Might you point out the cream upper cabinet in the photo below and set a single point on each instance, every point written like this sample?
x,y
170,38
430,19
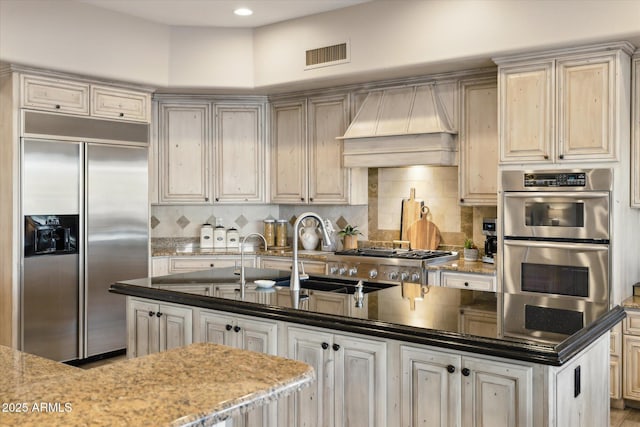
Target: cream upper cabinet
x,y
184,146
635,129
306,157
563,106
478,180
239,153
59,95
121,104
289,151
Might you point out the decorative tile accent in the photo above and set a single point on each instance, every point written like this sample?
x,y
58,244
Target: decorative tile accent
x,y
241,221
183,221
292,220
154,222
342,222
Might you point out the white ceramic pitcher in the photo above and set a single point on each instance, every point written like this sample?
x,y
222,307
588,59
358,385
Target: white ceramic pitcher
x,y
309,236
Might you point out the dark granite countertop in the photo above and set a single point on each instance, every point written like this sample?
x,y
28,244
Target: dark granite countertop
x,y
433,321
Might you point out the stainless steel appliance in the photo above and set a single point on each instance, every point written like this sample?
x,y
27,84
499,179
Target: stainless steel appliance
x,y
382,265
85,208
491,241
555,251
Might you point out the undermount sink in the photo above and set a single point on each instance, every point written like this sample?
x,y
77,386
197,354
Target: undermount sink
x,y
338,286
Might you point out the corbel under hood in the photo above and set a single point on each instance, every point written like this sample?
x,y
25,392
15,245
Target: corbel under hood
x,y
401,126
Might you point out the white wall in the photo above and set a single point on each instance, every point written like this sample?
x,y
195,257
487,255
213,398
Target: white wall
x,y
211,57
74,37
434,35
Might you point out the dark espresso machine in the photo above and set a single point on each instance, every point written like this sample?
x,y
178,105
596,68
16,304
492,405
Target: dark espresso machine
x,y
491,242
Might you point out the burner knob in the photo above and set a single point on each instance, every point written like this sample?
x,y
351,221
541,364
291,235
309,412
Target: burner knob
x,y
393,275
353,271
333,269
342,270
404,276
415,277
373,273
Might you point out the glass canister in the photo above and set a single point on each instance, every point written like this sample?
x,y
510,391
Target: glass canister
x,y
270,231
281,232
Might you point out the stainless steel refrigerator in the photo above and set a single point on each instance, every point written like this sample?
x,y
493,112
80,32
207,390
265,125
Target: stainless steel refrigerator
x,y
85,211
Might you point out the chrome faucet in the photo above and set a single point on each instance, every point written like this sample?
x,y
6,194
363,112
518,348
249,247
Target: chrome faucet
x,y
243,281
294,283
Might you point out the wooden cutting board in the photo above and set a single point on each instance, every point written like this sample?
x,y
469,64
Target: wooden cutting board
x,y
411,211
424,234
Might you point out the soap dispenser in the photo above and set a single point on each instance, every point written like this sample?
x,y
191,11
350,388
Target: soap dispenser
x,y
219,235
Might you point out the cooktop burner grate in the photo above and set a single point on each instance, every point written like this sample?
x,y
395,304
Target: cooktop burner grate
x,y
395,253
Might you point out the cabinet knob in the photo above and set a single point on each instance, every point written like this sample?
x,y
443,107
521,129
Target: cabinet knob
x,y
311,199
451,369
211,265
159,314
546,157
206,199
302,199
217,199
466,283
152,313
461,200
561,156
237,328
336,347
57,106
228,327
325,345
121,114
465,372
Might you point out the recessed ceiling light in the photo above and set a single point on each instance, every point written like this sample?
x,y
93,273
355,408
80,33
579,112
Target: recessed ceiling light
x,y
243,11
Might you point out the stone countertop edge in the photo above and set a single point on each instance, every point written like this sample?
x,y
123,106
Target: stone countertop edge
x,y
556,355
186,386
462,266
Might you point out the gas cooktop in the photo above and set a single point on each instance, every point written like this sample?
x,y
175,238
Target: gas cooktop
x,y
396,253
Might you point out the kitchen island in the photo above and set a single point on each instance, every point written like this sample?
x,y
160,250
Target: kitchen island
x,y
191,385
380,362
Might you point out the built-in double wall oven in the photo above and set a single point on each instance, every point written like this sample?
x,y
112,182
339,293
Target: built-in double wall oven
x,y
555,246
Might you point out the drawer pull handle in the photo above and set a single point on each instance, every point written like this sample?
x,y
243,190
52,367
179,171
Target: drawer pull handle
x,y
57,106
121,114
466,283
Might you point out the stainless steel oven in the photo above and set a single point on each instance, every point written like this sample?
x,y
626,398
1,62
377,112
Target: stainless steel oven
x,y
555,249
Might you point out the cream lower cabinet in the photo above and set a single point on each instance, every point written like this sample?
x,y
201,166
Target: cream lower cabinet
x,y
351,379
635,132
154,327
470,281
185,264
445,389
631,355
246,333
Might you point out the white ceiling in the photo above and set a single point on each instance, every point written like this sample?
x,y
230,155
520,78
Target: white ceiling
x,y
219,13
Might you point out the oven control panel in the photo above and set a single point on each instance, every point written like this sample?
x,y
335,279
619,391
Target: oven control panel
x,y
375,272
560,179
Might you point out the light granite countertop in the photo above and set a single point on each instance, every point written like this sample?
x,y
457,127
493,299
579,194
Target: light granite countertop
x,y
477,267
632,302
201,384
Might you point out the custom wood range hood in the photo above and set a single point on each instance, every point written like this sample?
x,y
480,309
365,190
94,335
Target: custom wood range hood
x,y
401,126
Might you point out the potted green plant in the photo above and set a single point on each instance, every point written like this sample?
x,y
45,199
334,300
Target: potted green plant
x,y
349,236
470,250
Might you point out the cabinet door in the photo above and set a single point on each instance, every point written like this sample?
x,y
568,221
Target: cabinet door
x,y
480,323
54,94
328,119
526,108
329,303
184,145
121,104
586,105
289,152
631,367
159,266
176,326
239,142
479,143
143,331
360,382
313,406
216,328
496,394
430,390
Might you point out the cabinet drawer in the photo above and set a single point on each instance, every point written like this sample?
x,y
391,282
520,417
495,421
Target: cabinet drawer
x,y
310,267
631,324
476,282
119,104
55,95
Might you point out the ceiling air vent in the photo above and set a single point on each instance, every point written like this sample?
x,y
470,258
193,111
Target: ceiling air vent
x,y
327,55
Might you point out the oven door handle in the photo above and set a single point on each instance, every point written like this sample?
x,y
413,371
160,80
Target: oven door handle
x,y
583,247
558,194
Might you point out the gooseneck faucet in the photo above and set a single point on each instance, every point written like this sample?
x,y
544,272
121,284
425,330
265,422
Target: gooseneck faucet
x,y
243,281
294,283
